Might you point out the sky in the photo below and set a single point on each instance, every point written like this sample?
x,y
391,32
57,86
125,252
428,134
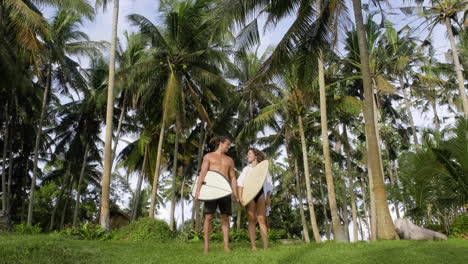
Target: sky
x,y
100,29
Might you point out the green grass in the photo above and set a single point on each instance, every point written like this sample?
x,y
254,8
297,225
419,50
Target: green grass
x,y
52,249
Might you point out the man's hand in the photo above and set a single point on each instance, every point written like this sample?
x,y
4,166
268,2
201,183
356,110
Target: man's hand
x,y
197,194
268,203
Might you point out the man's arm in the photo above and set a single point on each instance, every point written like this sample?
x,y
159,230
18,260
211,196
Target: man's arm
x,y
233,181
204,169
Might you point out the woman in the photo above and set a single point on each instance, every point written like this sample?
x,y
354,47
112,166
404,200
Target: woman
x,y
257,208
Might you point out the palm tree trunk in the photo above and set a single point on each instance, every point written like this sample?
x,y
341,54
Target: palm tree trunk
x,y
367,211
436,115
37,142
456,60
119,126
201,147
78,188
361,231
10,174
305,230
174,180
182,204
313,219
5,148
324,207
345,206
59,197
65,206
300,197
373,214
393,183
351,183
156,171
136,199
338,232
106,177
385,227
408,111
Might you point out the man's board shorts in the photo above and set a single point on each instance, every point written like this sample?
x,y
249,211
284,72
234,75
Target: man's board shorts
x,y
224,205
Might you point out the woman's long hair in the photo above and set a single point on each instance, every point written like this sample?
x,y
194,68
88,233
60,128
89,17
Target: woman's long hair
x,y
258,154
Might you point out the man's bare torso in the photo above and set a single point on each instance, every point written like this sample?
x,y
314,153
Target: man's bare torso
x,y
220,163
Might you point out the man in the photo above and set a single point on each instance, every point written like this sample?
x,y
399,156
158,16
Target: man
x,y
218,161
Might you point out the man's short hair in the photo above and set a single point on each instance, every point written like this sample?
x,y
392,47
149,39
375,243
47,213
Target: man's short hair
x,y
219,139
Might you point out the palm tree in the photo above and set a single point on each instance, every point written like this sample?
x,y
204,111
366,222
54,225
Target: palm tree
x,y
106,176
65,40
187,54
384,224
444,11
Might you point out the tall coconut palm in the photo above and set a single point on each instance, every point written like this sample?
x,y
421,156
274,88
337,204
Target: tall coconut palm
x,y
187,56
445,12
65,40
384,223
106,176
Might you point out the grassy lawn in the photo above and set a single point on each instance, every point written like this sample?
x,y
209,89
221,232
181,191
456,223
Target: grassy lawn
x,y
47,249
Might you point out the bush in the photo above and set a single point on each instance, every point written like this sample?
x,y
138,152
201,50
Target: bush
x,y
460,227
275,234
88,232
25,229
145,229
190,236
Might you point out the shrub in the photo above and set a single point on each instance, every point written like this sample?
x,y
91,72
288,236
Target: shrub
x,y
145,229
460,227
88,232
275,234
25,229
190,236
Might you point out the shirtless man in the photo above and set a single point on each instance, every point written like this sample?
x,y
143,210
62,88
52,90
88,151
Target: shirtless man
x,y
223,164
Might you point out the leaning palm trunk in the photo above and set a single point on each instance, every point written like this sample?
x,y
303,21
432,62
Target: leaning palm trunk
x,y
106,177
385,227
59,198
310,203
351,184
201,147
67,200
5,146
78,187
456,60
300,198
174,180
119,126
305,230
408,112
37,143
436,115
156,171
136,200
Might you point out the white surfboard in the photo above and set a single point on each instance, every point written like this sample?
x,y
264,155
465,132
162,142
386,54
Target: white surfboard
x,y
214,186
254,181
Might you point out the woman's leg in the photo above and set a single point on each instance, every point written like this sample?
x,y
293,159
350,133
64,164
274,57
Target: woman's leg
x,y
252,219
261,217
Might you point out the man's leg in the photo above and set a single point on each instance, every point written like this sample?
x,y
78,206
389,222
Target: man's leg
x,y
261,216
252,220
207,232
225,226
